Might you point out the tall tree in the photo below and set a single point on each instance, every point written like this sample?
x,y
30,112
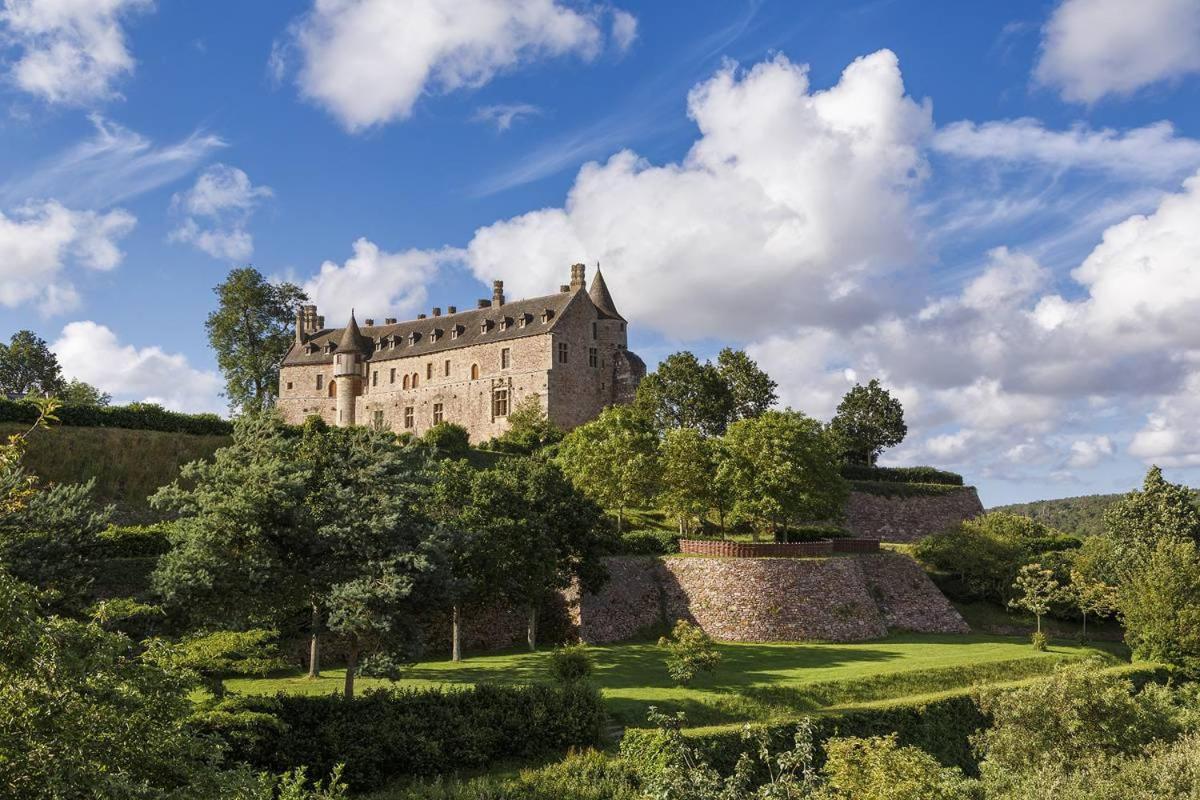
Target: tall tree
x,y
868,420
251,330
684,393
752,389
1159,510
28,366
783,467
613,459
692,481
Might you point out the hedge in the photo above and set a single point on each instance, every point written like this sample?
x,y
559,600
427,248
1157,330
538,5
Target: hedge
x,y
857,472
942,727
649,542
121,541
136,416
892,489
385,734
812,533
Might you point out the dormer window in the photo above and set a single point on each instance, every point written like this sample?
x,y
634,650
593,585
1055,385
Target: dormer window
x,y
505,323
329,346
455,331
547,315
412,338
310,348
524,319
485,326
392,340
435,334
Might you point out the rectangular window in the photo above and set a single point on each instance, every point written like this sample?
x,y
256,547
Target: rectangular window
x,y
289,385
593,330
377,420
375,377
500,402
408,416
593,357
392,375
563,352
438,416
320,382
446,368
429,371
505,358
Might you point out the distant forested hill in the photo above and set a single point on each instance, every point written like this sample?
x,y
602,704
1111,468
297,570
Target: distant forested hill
x,y
1081,516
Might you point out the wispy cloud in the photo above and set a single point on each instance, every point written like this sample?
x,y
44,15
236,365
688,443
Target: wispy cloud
x,y
111,166
503,115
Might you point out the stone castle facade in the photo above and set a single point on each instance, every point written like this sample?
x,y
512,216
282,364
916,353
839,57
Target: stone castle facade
x,y
568,350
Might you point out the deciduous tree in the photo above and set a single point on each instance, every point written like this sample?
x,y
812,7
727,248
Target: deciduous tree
x,y
613,459
685,393
752,390
28,366
692,482
868,421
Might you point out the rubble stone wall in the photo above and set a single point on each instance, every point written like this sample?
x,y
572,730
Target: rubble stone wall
x,y
906,519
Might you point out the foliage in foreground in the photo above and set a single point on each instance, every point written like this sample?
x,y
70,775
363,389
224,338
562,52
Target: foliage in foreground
x,y
690,651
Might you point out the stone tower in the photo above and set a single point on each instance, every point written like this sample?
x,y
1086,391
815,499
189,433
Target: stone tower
x,y
348,367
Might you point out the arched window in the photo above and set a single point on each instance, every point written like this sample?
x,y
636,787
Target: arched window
x,y
333,388
474,372
405,381
414,380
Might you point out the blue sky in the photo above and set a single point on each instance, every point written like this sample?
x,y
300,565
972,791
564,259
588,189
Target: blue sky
x,y
985,205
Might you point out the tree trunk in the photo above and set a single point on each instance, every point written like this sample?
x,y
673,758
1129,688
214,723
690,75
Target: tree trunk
x,y
314,644
456,646
531,631
682,530
351,667
1038,617
1085,626
620,521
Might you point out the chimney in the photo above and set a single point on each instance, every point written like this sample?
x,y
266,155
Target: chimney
x,y
451,309
484,302
497,293
389,321
564,288
299,325
369,321
420,316
437,311
578,277
320,320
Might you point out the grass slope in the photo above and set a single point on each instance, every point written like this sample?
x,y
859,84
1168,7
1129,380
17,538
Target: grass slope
x,y
754,681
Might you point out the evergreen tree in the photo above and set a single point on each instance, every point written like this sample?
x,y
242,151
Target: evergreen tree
x,y
868,420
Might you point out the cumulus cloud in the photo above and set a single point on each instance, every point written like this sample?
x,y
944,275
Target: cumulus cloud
x,y
1089,452
1153,151
224,197
71,51
792,204
375,282
91,352
624,30
503,115
39,242
1094,48
369,61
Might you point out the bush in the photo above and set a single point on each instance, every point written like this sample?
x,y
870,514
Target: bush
x,y
893,489
383,734
571,663
1040,641
650,543
859,472
690,651
814,533
138,416
590,775
132,541
449,438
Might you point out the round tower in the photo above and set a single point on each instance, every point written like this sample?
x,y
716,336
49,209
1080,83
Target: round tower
x,y
348,371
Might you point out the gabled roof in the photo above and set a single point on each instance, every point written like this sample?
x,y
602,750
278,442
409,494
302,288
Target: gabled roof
x,y
468,325
601,298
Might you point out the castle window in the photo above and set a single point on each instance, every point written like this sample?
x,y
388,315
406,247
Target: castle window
x,y
593,357
435,334
375,377
500,402
333,388
377,420
438,416
405,381
505,358
563,352
547,315
622,327
483,326
289,385
446,368
414,381
455,331
408,416
392,375
474,372
429,371
593,330
522,320
320,382
412,338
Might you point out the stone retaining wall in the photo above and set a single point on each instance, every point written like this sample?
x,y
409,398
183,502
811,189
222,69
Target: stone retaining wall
x,y
906,519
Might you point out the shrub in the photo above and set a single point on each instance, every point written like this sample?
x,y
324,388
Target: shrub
x,y
138,416
650,543
590,775
893,489
877,768
449,438
571,663
1040,641
690,651
814,533
383,734
132,541
860,472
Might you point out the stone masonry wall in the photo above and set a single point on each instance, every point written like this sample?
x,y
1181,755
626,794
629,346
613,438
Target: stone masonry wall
x,y
906,519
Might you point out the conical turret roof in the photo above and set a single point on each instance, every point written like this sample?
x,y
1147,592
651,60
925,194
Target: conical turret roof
x,y
601,298
352,338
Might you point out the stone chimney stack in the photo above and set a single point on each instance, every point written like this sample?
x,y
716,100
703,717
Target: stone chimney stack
x,y
484,303
307,322
564,288
420,316
437,311
578,277
497,293
389,321
368,321
451,309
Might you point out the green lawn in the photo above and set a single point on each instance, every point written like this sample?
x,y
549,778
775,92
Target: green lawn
x,y
754,681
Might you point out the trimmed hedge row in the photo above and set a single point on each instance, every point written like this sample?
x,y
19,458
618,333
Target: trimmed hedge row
x,y
649,543
136,416
942,727
384,734
857,472
890,489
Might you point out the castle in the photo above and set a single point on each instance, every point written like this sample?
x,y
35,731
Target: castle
x,y
568,350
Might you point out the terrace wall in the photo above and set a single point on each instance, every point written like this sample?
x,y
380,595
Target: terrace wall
x,y
906,519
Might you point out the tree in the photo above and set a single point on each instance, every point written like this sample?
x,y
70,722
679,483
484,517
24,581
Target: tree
x,y
212,656
529,429
613,459
692,483
79,393
752,389
1091,597
1140,519
28,366
690,651
250,331
868,420
879,768
683,393
783,468
449,439
1035,591
1160,605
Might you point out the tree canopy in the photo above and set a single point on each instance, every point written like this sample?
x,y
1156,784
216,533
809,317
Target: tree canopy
x,y
868,421
29,366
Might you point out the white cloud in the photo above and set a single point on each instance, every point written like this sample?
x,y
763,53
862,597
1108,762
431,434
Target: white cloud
x,y
503,115
111,166
1094,48
91,352
1153,151
39,241
368,61
375,282
624,30
71,51
226,198
793,204
1089,452
1170,436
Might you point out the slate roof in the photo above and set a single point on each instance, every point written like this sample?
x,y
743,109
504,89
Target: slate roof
x,y
435,334
601,297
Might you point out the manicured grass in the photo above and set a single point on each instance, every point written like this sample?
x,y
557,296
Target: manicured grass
x,y
754,681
